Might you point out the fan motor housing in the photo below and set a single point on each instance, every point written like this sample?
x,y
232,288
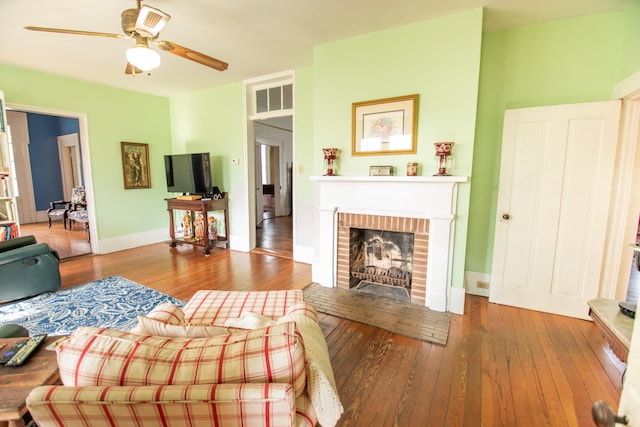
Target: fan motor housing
x,y
129,18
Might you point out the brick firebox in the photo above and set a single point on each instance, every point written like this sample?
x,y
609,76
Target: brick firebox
x,y
418,226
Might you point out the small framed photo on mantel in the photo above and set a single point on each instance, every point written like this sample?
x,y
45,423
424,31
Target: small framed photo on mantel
x,y
380,170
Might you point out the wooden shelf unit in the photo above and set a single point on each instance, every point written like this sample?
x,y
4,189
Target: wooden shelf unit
x,y
204,207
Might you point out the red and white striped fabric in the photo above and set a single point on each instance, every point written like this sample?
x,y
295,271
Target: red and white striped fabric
x,y
210,307
228,405
167,320
99,356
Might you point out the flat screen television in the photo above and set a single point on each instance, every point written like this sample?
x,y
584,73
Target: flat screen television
x,y
188,173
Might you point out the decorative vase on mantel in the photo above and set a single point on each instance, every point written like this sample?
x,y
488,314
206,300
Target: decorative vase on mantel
x,y
443,153
330,156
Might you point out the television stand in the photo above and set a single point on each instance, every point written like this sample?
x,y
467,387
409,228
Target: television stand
x,y
204,207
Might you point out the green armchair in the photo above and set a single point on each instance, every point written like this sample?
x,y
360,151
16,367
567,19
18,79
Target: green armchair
x,y
28,268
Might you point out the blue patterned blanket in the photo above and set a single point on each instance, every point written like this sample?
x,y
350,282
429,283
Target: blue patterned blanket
x,y
113,302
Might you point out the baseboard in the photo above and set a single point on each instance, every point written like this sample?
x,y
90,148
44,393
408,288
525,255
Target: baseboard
x,y
456,300
128,241
477,283
303,254
239,243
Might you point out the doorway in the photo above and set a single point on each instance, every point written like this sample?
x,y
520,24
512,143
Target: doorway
x,y
270,147
274,186
52,157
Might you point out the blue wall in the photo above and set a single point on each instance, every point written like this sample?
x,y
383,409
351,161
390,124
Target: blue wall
x,y
43,151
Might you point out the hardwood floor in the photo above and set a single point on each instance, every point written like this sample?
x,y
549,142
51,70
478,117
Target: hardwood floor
x,y
69,243
275,236
502,366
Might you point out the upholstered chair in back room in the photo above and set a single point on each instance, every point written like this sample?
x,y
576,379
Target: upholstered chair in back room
x,y
78,208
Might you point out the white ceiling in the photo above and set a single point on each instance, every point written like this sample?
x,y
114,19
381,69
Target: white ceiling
x,y
256,37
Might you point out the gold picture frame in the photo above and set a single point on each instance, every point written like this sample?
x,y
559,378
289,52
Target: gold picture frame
x,y
135,165
385,126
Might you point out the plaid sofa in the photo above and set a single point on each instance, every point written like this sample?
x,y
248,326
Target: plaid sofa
x,y
224,359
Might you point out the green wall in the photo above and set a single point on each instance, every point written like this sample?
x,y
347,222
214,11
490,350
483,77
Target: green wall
x,y
559,62
212,121
412,59
305,157
630,41
113,115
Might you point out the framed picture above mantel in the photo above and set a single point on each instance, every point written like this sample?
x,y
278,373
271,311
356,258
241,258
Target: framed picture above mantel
x,y
385,126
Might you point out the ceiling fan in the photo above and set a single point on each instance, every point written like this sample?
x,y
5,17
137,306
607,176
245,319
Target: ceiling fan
x,y
143,24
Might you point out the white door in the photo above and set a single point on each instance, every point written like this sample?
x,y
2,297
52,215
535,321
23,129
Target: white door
x,y
553,201
258,184
25,199
70,167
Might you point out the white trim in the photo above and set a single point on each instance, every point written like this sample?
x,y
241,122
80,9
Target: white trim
x,y
303,254
248,87
623,223
456,300
627,87
134,240
83,131
471,279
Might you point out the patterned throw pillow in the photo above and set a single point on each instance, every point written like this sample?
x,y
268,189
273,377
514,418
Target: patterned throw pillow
x,y
100,356
167,320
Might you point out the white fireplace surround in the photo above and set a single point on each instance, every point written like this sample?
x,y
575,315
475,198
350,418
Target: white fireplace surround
x,y
431,197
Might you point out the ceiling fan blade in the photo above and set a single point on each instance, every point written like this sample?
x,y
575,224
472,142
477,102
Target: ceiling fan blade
x,y
76,32
187,53
132,69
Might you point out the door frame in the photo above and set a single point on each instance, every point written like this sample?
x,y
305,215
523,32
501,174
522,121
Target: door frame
x,y
69,141
623,223
25,199
251,181
626,219
83,134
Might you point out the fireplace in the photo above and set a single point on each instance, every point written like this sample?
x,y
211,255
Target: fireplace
x,y
423,206
384,251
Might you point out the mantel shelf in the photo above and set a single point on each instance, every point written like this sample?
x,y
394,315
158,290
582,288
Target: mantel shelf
x,y
421,179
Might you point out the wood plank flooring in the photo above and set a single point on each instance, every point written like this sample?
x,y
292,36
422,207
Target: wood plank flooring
x,y
275,236
69,242
502,366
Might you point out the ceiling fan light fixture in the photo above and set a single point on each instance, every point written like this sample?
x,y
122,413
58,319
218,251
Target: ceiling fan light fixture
x,y
142,57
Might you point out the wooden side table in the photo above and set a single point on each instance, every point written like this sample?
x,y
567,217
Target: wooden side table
x,y
17,382
202,206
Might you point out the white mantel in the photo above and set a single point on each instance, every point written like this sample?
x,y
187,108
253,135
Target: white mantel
x,y
432,197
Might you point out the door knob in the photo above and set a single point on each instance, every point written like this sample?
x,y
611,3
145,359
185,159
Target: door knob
x,y
506,216
603,415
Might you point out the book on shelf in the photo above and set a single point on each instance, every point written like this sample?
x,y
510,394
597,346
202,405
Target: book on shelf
x,y
6,214
8,232
4,191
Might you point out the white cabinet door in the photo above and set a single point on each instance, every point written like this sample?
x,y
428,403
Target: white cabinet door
x,y
553,202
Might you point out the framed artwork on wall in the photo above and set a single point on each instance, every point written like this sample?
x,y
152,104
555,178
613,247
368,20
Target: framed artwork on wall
x,y
135,165
385,126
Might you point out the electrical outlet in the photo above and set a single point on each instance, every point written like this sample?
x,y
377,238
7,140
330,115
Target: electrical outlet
x,y
482,285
